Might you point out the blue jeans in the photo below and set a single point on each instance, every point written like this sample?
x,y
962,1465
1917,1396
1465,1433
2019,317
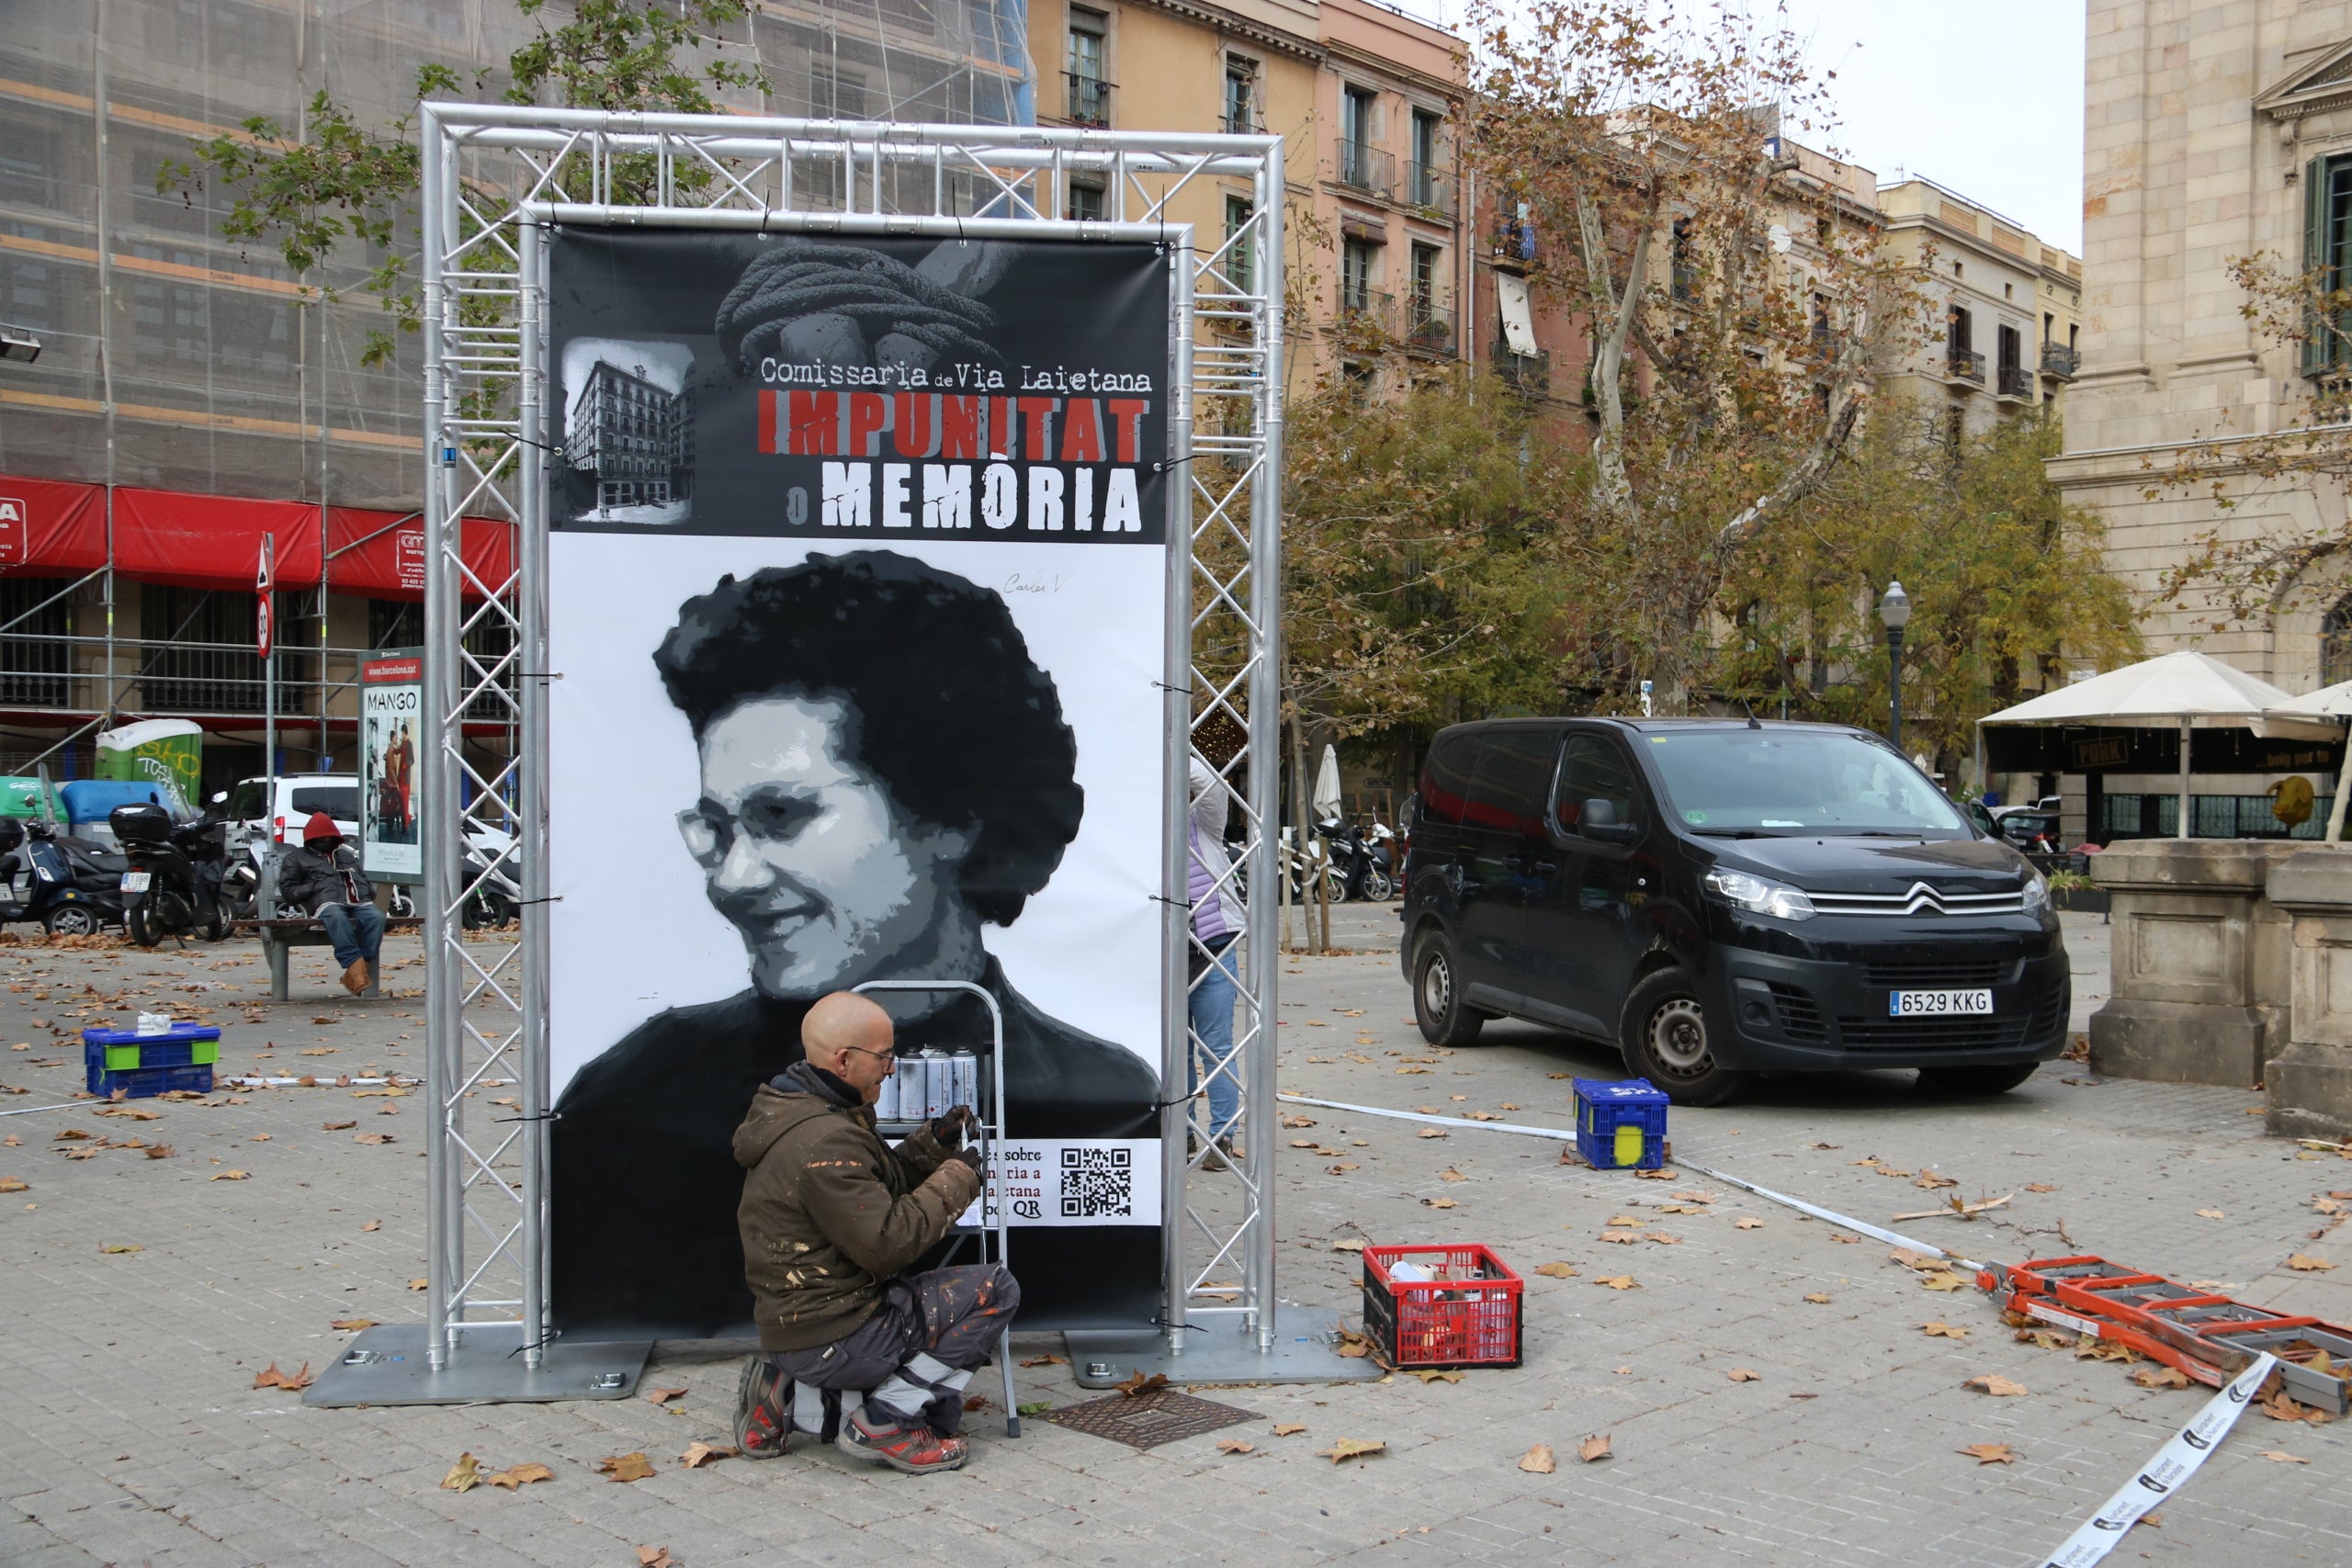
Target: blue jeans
x,y
1212,1008
356,931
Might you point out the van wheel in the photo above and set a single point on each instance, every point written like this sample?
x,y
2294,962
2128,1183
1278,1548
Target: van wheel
x,y
1977,1080
1445,1019
1665,1035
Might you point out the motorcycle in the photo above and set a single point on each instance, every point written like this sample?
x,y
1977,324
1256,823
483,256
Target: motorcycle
x,y
170,886
1355,870
70,885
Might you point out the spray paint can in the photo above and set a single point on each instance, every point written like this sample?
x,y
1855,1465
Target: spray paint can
x,y
964,1086
938,1077
886,1104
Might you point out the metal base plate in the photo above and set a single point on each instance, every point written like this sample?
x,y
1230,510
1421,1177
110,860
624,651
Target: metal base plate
x,y
387,1365
1147,1420
1217,1351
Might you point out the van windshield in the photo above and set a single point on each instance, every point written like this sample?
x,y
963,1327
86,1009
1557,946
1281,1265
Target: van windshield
x,y
1787,781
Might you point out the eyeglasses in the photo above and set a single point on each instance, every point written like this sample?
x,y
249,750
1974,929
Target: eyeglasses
x,y
710,829
887,1053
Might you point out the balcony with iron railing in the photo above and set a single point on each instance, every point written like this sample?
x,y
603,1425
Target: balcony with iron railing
x,y
2058,359
1090,99
1512,244
1367,169
1964,365
1430,189
1527,374
1428,326
1361,308
2013,381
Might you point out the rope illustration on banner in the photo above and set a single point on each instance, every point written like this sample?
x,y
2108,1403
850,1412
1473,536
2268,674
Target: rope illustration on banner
x,y
801,298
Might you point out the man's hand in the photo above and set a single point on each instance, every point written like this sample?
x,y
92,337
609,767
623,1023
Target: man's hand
x,y
971,1157
949,1128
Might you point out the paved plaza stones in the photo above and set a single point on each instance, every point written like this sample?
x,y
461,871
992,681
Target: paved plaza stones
x,y
130,1433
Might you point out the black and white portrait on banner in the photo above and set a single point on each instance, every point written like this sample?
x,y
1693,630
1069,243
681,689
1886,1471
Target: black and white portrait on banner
x,y
858,580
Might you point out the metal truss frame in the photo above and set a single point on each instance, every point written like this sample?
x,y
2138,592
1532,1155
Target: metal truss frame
x,y
495,177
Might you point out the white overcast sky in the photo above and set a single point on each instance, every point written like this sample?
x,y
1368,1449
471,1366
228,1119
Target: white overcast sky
x,y
1983,97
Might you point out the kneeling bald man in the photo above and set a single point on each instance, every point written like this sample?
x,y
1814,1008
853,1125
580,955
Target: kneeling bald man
x,y
830,1217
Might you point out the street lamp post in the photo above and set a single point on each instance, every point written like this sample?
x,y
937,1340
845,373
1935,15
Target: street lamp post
x,y
1896,611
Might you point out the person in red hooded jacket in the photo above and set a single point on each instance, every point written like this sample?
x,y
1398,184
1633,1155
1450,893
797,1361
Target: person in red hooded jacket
x,y
324,876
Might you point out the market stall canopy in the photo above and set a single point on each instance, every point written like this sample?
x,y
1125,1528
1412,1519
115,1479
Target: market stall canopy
x,y
2187,690
2328,703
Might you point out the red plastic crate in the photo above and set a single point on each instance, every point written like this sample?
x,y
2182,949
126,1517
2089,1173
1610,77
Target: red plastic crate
x,y
1467,1316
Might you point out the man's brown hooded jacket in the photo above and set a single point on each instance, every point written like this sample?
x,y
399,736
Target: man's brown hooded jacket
x,y
830,1212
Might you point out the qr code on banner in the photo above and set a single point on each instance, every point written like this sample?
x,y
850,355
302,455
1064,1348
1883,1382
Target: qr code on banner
x,y
1097,1184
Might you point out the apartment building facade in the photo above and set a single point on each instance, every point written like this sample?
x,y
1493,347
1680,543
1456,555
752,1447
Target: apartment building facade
x,y
2010,306
186,401
1368,101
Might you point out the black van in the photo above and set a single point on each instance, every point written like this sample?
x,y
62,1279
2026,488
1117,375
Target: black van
x,y
1719,898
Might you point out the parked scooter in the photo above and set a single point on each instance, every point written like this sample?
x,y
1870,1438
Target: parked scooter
x,y
1355,870
70,885
171,885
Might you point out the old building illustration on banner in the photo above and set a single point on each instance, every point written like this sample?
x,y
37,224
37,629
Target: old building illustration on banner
x,y
857,585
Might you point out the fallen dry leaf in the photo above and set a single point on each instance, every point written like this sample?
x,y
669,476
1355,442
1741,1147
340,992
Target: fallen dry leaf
x,y
69,1135
1439,1204
1139,1385
373,1225
339,1127
1994,1384
136,1113
1991,1453
1431,1133
2160,1377
1235,1446
14,1184
1749,1222
1663,1239
1942,1280
1289,1428
1948,1330
655,1557
1347,1449
624,1467
1450,1174
228,1176
1555,1270
2040,1187
1618,1281
1742,1374
353,1324
2212,1214
1622,1238
1435,1374
1930,1179
1347,1244
372,1138
659,1396
1538,1461
463,1476
157,1151
2279,1456
1341,1169
1593,1449
114,1246
2304,1263
270,1377
1296,1121
1819,1298
517,1476
1624,1219
1046,1361
700,1454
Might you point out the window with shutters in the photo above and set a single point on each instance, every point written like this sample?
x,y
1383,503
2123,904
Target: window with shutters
x,y
2327,248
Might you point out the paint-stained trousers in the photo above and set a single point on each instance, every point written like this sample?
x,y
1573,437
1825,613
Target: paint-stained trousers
x,y
913,1358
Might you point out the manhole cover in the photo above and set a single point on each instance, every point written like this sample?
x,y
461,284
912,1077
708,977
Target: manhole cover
x,y
1147,1420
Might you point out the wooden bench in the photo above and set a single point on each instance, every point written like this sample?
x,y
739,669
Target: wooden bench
x,y
280,934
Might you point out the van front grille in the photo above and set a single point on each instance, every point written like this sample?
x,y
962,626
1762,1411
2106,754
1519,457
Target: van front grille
x,y
1936,973
1970,1034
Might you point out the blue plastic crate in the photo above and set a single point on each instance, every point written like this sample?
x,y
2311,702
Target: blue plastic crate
x,y
1611,1116
144,1064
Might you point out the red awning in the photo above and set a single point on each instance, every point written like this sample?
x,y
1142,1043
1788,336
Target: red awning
x,y
48,528
381,554
212,541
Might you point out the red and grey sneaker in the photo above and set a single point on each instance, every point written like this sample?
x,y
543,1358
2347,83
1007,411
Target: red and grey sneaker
x,y
763,1424
911,1447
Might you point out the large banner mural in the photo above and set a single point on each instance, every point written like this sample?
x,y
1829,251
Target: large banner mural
x,y
858,580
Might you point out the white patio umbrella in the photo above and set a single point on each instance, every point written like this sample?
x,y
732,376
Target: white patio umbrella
x,y
1326,785
2329,704
2192,691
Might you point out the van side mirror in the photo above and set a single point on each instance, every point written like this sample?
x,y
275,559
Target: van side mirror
x,y
1599,820
220,796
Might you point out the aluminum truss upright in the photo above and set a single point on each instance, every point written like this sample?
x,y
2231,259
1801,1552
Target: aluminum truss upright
x,y
495,177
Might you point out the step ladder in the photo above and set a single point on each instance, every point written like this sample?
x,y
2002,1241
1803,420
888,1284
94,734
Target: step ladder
x,y
2209,1337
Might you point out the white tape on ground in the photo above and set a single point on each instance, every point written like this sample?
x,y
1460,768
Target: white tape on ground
x,y
1552,1133
2164,1474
